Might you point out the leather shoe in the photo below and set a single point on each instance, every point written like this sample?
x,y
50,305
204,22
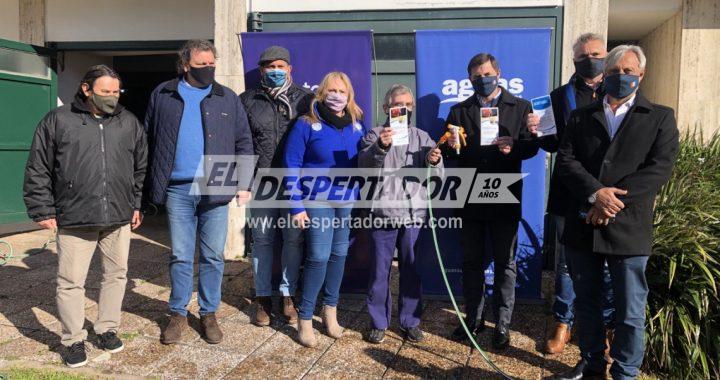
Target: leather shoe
x,y
501,337
581,371
556,344
459,335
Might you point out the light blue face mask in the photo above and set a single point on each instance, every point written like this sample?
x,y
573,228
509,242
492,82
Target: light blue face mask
x,y
275,77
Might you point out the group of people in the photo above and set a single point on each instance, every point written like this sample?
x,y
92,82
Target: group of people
x,y
92,166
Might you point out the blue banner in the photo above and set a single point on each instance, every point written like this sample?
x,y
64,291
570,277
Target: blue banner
x,y
442,81
312,56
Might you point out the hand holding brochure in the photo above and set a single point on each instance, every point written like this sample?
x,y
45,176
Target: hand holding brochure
x,y
542,107
489,125
399,124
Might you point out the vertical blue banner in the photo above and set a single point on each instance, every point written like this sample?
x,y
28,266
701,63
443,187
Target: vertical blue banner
x,y
312,56
442,81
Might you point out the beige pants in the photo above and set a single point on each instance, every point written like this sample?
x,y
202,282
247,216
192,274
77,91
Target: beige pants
x,y
76,247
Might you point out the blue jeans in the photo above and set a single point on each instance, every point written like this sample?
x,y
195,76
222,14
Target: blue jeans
x,y
264,233
188,217
631,290
564,293
325,257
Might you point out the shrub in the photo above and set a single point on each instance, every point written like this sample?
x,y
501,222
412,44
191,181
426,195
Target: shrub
x,y
683,312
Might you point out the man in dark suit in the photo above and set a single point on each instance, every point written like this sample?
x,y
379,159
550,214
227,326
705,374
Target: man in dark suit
x,y
497,223
585,87
614,157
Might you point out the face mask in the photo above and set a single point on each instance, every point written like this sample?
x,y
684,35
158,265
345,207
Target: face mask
x,y
336,101
485,86
204,76
589,68
621,86
275,78
105,104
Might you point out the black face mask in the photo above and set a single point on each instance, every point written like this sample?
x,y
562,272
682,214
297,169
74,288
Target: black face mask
x,y
589,68
485,86
204,76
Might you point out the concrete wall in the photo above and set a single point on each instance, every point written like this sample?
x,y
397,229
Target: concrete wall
x,y
128,20
10,19
75,65
581,16
683,65
699,103
663,48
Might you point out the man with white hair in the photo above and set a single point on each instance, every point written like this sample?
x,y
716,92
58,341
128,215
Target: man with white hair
x,y
614,157
584,87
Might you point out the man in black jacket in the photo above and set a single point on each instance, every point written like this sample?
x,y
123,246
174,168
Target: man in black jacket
x,y
495,223
614,157
584,88
272,109
84,176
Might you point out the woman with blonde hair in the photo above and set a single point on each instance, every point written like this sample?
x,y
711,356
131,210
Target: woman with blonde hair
x,y
327,137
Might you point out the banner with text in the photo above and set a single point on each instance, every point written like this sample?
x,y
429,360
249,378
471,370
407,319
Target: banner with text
x,y
442,81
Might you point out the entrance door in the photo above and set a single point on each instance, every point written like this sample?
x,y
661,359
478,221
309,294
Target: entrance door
x,y
28,90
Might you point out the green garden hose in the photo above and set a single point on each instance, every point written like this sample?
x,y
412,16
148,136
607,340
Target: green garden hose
x,y
5,255
449,289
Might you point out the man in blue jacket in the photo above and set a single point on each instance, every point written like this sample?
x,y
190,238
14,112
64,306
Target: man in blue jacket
x,y
190,121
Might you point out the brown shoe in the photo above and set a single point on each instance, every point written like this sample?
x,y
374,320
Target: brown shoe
x,y
609,337
556,344
263,310
289,311
173,331
211,329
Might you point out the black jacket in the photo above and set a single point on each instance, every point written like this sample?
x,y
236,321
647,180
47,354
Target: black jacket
x,y
269,124
85,171
225,127
639,159
513,113
559,194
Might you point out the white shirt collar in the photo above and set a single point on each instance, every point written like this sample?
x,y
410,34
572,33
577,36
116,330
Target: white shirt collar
x,y
622,108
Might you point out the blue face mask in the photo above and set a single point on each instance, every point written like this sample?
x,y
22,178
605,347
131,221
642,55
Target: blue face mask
x,y
484,86
275,77
620,86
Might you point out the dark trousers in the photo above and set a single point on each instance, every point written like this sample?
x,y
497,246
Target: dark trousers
x,y
564,292
631,290
379,301
483,242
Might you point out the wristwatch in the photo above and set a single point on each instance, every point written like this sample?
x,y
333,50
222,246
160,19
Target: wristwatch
x,y
592,198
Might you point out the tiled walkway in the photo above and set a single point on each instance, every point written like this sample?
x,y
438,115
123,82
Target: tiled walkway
x,y
29,329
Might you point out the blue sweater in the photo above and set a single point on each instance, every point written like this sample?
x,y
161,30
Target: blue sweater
x,y
191,137
321,145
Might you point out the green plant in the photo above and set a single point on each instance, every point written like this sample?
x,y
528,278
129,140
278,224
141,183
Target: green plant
x,y
40,374
683,335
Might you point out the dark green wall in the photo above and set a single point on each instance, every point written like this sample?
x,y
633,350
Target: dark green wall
x,y
394,37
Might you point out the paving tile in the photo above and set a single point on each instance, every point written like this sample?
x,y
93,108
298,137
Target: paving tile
x,y
140,357
193,362
34,345
352,354
281,357
242,337
415,362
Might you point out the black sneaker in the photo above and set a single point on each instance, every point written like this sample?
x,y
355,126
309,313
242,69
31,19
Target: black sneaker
x,y
110,342
75,355
376,336
414,334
